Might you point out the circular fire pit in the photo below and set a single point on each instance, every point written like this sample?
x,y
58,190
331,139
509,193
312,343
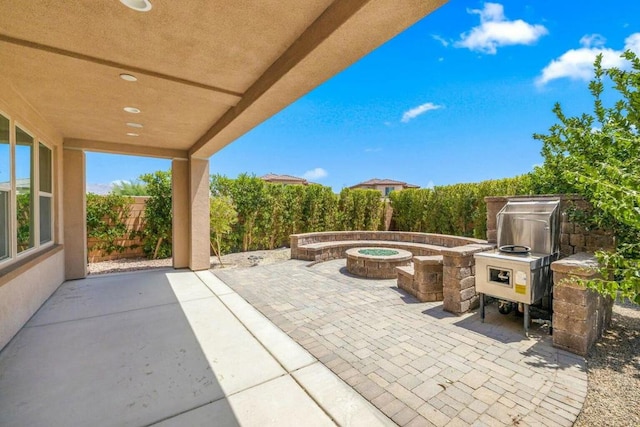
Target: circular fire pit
x,y
376,263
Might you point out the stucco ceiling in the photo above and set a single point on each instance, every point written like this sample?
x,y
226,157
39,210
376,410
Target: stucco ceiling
x,y
208,70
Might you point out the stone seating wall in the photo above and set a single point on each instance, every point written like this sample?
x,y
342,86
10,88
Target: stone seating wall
x,y
424,279
443,266
324,246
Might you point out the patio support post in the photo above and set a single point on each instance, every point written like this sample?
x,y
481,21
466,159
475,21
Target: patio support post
x,y
180,210
75,214
190,205
199,222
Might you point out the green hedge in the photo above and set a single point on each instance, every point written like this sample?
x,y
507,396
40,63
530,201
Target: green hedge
x,y
269,213
457,209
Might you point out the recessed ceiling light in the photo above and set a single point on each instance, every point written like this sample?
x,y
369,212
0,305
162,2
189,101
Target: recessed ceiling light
x,y
132,134
133,110
134,125
137,5
128,77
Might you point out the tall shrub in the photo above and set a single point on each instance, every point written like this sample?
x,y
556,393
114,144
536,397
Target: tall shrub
x,y
457,209
319,208
221,219
250,199
106,221
156,233
360,209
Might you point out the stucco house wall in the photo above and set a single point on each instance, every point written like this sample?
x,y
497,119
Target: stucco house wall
x,y
30,278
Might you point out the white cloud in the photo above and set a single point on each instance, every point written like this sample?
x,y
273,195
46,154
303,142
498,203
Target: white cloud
x,y
430,184
577,64
99,188
632,43
444,42
316,173
420,109
592,40
495,31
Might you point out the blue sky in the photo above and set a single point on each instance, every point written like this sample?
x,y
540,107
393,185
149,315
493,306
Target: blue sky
x,y
455,98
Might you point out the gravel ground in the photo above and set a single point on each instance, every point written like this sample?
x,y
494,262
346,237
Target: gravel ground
x,y
613,397
239,260
613,364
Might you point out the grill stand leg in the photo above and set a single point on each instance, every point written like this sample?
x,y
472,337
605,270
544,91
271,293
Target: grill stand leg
x,y
482,308
526,319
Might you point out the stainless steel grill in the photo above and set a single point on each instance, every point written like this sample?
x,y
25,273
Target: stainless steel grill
x,y
519,271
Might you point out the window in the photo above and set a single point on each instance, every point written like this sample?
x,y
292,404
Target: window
x,y
26,191
5,187
46,193
388,190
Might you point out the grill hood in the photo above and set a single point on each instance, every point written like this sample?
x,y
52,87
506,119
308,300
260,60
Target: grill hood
x,y
530,222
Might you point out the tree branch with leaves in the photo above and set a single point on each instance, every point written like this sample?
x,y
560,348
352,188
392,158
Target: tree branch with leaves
x,y
598,157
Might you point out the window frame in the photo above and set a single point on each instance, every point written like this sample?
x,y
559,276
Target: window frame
x,y
13,255
33,234
12,182
49,195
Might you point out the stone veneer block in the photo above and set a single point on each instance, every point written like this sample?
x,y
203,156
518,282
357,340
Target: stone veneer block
x,y
580,314
458,273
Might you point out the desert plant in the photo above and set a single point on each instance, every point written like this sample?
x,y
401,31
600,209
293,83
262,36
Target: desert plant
x,y
222,216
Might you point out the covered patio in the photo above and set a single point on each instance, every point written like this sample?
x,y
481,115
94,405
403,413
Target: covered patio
x,y
173,80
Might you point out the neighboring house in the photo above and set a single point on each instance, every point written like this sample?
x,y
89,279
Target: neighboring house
x,y
284,179
384,186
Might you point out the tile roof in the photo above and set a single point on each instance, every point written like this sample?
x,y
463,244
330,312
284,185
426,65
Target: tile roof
x,y
275,177
376,181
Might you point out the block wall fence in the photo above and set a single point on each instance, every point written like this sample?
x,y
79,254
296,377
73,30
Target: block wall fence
x,y
135,222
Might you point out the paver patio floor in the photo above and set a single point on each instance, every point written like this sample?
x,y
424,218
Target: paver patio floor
x,y
418,364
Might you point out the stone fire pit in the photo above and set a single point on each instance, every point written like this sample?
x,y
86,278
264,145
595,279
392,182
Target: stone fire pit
x,y
376,263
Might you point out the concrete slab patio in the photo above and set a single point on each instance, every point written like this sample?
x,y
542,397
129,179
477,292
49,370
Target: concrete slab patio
x,y
169,348
418,364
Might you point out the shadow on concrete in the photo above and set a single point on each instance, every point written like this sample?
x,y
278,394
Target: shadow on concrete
x,y
406,297
438,313
108,350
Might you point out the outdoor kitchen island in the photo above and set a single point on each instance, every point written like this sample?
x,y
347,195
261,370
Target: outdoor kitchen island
x,y
518,273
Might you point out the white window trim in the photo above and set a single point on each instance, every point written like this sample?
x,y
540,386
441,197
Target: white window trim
x,y
35,207
46,194
14,256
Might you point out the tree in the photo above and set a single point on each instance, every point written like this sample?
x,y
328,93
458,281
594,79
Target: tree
x,y
156,234
598,156
127,188
222,217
